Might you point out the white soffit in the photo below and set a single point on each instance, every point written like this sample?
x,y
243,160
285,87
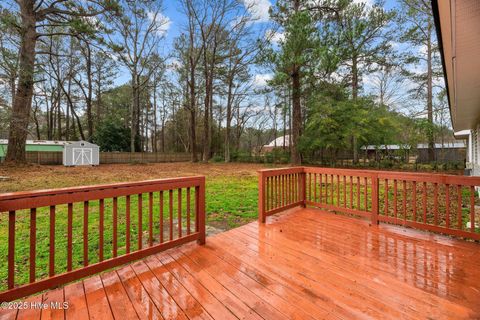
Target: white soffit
x,y
460,27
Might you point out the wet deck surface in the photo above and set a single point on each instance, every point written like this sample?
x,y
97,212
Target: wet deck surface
x,y
304,264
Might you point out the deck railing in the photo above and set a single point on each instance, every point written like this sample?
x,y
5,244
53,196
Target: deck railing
x,y
67,234
434,202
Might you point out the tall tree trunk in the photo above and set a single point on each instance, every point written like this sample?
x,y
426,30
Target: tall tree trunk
x,y
133,111
296,116
89,97
22,105
354,97
229,120
193,113
430,136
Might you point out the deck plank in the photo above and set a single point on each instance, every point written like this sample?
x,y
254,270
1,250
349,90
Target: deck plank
x,y
77,303
209,302
159,295
118,299
96,298
145,307
192,308
31,312
54,300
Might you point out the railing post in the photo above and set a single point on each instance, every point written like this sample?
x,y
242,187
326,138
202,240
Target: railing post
x,y
261,197
375,198
201,211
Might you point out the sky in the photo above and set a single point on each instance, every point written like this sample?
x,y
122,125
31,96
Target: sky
x,y
259,10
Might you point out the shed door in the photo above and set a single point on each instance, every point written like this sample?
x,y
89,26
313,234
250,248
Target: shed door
x,y
82,156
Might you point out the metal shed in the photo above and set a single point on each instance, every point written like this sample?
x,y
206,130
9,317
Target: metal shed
x,y
81,153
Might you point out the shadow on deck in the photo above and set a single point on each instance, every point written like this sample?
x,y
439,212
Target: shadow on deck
x,y
302,264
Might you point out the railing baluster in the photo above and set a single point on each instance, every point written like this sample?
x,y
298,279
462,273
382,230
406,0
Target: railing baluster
x,y
33,242
472,209
127,222
326,188
309,187
51,261
332,190
404,202
315,187
365,197
386,197
414,201
358,193
100,237
459,208
188,210
286,188
70,237
267,193
85,233
395,209
170,211
292,188
115,227
351,192
424,202
196,206
140,226
320,182
338,190
150,219
161,217
344,191
179,194
11,249
435,203
447,208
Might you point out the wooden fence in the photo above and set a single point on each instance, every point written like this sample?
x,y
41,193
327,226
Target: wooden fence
x,y
85,230
433,202
55,158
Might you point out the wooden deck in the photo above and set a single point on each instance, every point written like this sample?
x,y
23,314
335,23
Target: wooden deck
x,y
302,264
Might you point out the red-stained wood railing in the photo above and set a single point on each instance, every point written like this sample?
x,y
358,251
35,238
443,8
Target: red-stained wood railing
x,y
280,189
433,202
76,206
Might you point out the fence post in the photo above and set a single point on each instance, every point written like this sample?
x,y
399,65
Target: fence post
x,y
201,212
261,197
375,198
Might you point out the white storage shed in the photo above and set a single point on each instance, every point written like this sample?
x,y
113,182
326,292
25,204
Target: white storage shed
x,y
81,153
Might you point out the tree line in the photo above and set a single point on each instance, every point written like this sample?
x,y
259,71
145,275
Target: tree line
x,y
337,74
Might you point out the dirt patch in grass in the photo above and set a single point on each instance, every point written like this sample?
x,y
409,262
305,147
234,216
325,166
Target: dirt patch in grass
x,y
35,177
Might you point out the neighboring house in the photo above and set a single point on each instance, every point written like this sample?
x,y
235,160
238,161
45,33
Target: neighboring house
x,y
280,142
458,30
446,152
35,145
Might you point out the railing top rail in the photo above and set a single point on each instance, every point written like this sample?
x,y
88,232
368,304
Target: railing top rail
x,y
286,170
30,199
398,175
28,194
